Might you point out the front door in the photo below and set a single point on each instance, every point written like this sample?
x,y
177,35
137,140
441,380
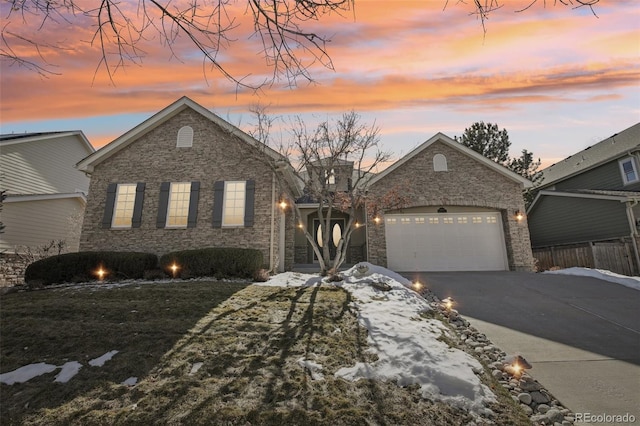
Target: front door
x,y
336,228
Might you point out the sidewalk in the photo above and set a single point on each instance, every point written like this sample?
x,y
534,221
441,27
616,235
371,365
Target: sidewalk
x,y
583,381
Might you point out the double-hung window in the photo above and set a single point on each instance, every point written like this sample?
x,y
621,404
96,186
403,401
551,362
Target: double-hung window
x,y
234,203
178,207
629,170
123,205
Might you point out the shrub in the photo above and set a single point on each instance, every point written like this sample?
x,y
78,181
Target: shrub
x,y
70,267
219,262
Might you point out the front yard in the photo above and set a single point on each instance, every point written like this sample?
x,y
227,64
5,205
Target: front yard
x,y
204,353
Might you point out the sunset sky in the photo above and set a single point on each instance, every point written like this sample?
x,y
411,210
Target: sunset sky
x,y
557,78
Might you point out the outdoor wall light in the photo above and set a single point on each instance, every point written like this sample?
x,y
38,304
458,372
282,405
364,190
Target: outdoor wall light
x,y
417,285
300,225
376,219
283,204
519,216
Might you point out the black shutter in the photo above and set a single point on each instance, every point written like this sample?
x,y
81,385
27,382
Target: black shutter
x,y
109,205
218,199
136,220
161,222
193,204
250,191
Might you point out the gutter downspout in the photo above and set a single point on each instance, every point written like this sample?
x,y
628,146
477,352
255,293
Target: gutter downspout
x,y
632,227
273,222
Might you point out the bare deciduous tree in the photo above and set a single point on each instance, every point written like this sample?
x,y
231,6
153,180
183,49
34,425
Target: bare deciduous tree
x,y
122,30
312,156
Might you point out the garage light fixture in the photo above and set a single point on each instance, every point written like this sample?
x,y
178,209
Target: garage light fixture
x,y
376,219
283,204
519,216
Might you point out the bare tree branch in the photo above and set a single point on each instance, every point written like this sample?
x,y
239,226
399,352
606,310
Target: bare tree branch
x,y
290,46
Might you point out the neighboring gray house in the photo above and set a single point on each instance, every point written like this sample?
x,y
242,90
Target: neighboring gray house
x,y
586,212
46,194
182,179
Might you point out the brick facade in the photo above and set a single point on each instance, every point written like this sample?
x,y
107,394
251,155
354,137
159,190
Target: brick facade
x,y
467,183
153,158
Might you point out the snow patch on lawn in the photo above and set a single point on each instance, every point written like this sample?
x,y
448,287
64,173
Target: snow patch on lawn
x,y
314,368
407,344
99,362
601,274
26,373
67,371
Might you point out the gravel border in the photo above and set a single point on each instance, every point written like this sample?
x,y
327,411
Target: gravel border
x,y
539,404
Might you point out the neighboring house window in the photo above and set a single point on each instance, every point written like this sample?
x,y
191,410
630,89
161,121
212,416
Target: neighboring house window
x,y
123,206
629,170
178,204
233,203
185,137
440,163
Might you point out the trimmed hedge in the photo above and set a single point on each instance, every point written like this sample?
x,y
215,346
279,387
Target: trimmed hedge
x,y
216,262
82,266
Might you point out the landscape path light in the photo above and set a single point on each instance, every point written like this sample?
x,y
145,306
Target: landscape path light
x,y
174,269
101,273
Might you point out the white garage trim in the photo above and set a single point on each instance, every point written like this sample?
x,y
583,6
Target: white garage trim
x,y
471,241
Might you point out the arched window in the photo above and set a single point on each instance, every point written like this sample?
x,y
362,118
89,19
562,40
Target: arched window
x,y
440,163
185,137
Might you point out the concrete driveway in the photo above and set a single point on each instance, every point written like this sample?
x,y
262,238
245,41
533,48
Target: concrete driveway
x,y
581,334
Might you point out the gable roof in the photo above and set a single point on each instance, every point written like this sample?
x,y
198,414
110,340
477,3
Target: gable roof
x,y
441,137
604,151
88,163
16,138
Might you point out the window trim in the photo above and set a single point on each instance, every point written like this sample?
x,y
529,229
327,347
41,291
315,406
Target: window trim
x,y
224,205
621,164
166,223
115,206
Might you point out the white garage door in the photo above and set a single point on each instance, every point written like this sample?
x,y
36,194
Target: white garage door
x,y
445,242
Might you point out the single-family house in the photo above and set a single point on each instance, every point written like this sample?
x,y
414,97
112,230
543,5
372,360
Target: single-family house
x,y
586,211
184,179
46,194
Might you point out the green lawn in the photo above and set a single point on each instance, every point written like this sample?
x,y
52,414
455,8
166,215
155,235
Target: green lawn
x,y
248,340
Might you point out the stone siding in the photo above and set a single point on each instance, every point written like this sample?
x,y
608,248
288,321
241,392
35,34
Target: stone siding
x,y
466,183
12,267
153,158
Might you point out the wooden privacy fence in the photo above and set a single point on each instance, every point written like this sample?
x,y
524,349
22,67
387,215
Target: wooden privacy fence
x,y
616,256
